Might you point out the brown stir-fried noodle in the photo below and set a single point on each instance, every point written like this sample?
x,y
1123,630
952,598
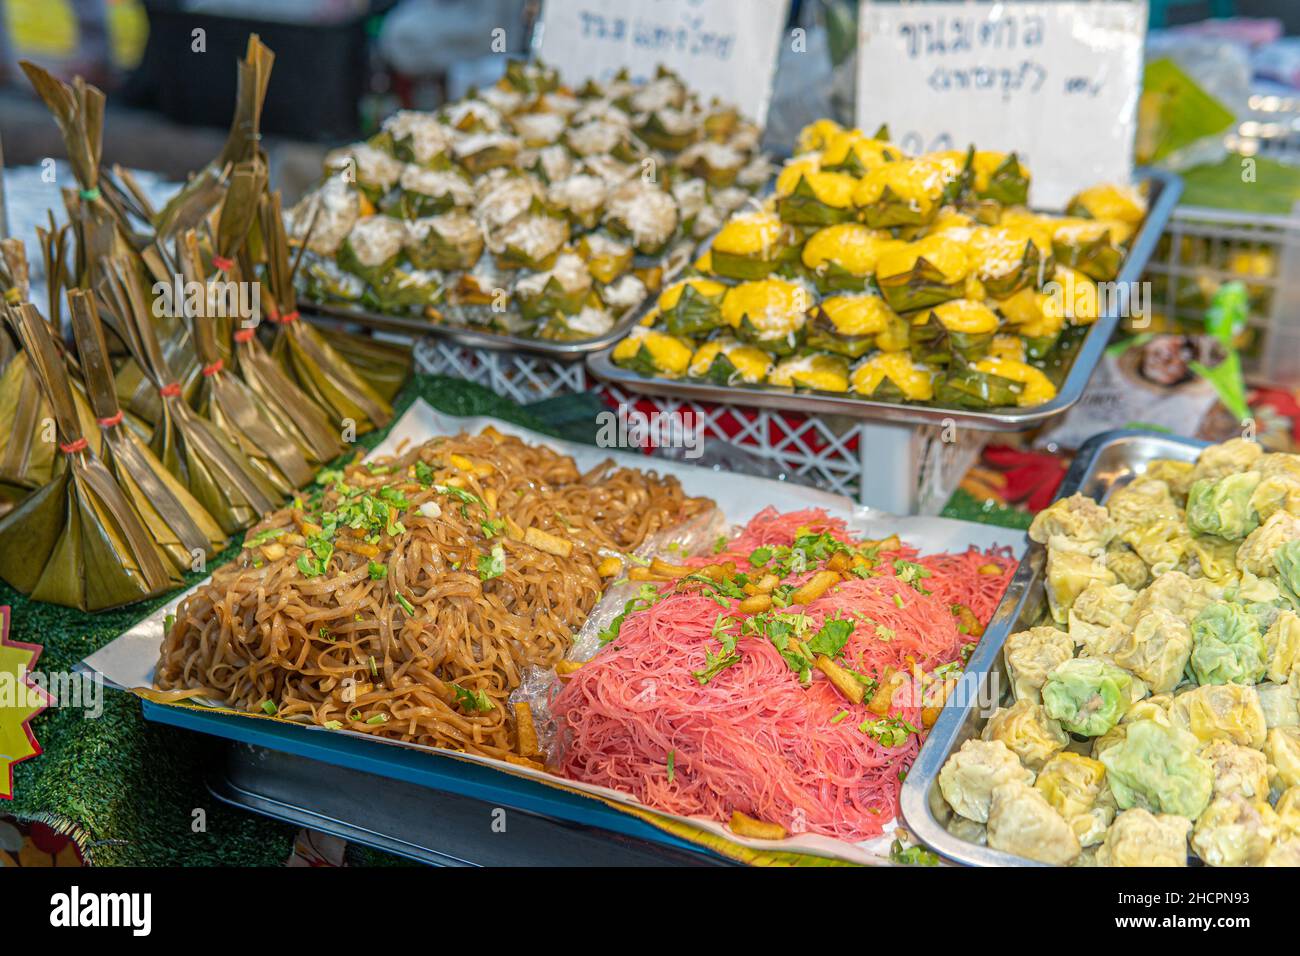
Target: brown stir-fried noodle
x,y
406,599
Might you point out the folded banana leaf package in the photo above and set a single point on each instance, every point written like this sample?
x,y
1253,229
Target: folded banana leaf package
x,y
320,371
78,540
191,447
181,526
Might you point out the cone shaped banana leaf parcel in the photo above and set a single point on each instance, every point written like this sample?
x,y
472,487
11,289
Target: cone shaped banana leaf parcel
x,y
320,370
78,540
178,523
191,447
192,204
233,407
27,453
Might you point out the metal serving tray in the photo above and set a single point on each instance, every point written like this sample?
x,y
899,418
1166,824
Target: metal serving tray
x,y
413,803
1165,189
573,351
1105,463
430,826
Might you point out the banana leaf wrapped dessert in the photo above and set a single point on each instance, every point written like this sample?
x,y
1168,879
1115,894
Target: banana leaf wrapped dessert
x,y
1038,318
893,377
959,331
373,246
562,290
769,313
650,352
999,177
854,324
853,151
816,198
1093,246
320,371
216,472
994,382
844,257
1007,259
78,540
935,256
727,361
413,137
692,307
903,193
181,527
750,246
449,242
819,372
430,192
496,188
922,273
1109,201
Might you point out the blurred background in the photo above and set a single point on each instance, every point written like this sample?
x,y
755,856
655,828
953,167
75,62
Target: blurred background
x,y
1221,85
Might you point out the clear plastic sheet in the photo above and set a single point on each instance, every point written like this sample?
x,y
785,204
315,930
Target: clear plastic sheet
x,y
539,684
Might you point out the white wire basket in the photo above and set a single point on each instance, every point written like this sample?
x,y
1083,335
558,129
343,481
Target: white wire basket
x,y
1202,248
898,468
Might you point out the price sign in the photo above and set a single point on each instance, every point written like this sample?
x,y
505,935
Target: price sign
x,y
722,48
1058,83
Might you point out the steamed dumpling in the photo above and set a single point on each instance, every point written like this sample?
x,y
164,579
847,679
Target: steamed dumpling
x,y
969,777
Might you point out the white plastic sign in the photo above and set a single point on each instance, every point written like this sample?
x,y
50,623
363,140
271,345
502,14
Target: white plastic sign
x,y
722,48
1057,82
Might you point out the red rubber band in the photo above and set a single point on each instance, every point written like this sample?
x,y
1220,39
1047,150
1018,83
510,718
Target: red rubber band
x,y
245,335
214,368
273,313
73,447
110,421
289,317
223,264
170,391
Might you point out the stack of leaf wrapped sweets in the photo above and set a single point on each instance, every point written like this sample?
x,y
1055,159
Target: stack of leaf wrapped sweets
x,y
194,400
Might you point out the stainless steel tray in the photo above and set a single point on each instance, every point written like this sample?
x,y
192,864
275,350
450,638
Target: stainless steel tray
x,y
1165,189
573,351
1105,462
423,824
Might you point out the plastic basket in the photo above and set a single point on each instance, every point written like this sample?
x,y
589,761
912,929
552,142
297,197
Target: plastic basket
x,y
899,468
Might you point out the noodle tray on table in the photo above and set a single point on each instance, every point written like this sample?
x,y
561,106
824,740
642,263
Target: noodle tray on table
x,y
706,660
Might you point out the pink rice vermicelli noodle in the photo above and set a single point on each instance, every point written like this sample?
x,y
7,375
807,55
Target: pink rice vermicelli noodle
x,y
753,738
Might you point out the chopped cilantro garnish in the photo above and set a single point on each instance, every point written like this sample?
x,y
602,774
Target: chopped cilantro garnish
x,y
492,565
423,473
378,571
492,527
760,556
262,537
472,699
911,573
832,637
911,856
715,664
890,731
